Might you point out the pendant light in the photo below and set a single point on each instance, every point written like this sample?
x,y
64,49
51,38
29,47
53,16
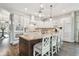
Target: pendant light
x,y
50,13
41,10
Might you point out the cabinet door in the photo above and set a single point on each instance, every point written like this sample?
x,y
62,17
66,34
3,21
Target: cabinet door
x,y
67,29
26,21
23,48
77,28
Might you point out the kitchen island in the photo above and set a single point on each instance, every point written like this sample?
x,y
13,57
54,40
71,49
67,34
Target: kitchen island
x,y
26,43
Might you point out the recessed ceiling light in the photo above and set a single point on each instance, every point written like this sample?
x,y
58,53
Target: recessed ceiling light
x,y
64,11
40,15
41,5
50,19
25,9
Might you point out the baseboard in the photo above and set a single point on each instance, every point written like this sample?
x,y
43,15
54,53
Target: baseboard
x,y
68,42
71,42
76,42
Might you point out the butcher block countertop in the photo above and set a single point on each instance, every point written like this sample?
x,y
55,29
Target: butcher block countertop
x,y
33,36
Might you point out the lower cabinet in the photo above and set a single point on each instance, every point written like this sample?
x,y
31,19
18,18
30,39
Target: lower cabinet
x,y
26,46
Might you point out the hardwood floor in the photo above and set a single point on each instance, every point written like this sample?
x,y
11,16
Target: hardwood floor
x,y
14,50
8,50
68,49
4,47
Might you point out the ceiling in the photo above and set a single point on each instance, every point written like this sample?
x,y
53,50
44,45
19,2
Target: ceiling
x,y
33,8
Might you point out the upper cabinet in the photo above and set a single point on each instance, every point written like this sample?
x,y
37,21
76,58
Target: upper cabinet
x,y
4,15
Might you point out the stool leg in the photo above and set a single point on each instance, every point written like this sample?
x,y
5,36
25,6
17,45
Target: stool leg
x,y
34,52
49,53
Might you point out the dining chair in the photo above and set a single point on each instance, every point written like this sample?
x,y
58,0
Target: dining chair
x,y
53,45
58,43
42,48
57,33
60,39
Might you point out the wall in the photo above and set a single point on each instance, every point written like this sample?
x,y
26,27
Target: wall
x,y
77,26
